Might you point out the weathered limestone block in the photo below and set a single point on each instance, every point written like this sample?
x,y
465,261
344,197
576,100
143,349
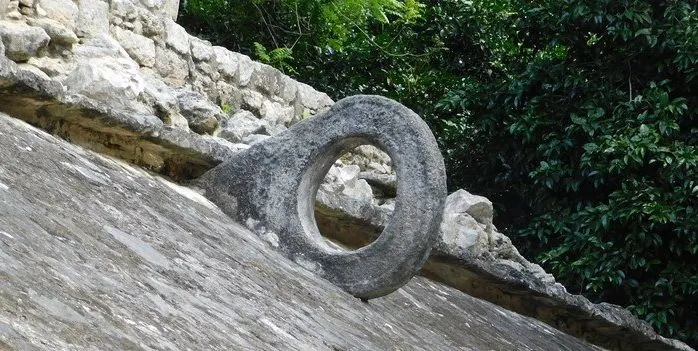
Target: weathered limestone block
x,y
93,16
479,207
246,69
53,67
271,187
369,158
242,124
275,113
163,99
311,98
252,101
466,230
99,46
461,234
25,67
227,95
172,67
177,37
171,8
199,81
288,88
58,33
22,41
204,68
338,175
2,48
225,62
123,9
385,183
201,50
202,115
10,10
140,48
502,247
265,79
115,81
153,5
167,8
28,11
349,184
64,11
151,24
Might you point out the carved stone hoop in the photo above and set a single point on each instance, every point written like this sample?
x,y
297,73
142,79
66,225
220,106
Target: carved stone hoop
x,y
272,186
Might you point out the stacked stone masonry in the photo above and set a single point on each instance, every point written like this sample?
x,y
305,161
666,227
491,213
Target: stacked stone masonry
x,y
133,55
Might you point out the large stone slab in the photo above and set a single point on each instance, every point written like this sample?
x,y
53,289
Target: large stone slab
x,y
98,255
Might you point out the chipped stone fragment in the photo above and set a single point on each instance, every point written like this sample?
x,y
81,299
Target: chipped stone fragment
x,y
22,41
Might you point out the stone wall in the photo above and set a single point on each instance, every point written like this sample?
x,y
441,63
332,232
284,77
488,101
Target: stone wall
x,y
132,54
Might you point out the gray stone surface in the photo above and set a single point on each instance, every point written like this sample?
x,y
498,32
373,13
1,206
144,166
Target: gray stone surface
x,y
271,187
98,255
58,33
173,69
385,183
150,131
100,46
11,8
141,138
478,207
93,16
146,32
500,275
140,48
202,115
122,8
117,82
63,11
201,50
240,125
177,37
467,227
22,41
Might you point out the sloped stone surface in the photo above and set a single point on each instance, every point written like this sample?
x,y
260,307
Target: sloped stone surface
x,y
500,275
150,131
95,254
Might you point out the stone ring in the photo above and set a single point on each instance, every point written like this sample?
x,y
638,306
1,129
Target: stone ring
x,y
271,187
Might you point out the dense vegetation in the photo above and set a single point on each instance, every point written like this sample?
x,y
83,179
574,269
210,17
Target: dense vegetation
x,y
578,118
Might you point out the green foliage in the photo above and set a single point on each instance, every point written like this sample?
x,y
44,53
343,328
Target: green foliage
x,y
285,24
592,146
227,109
279,57
576,118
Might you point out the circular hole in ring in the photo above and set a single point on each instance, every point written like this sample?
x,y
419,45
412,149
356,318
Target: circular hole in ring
x,y
360,177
